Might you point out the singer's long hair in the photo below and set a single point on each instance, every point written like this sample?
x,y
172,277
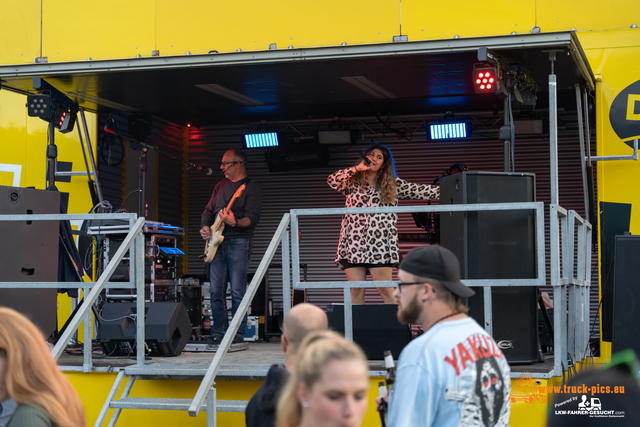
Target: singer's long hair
x,y
315,353
32,376
385,181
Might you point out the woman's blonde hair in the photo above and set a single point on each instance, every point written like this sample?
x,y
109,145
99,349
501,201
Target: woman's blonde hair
x,y
315,353
385,181
31,374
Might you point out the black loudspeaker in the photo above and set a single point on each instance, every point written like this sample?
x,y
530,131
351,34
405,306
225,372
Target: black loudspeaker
x,y
29,253
496,245
191,297
376,328
626,299
615,219
167,328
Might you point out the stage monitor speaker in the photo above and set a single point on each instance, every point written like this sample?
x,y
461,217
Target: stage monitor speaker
x,y
626,298
615,220
376,328
167,328
29,253
496,245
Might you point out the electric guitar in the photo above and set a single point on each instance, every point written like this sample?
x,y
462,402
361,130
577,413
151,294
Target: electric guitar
x,y
218,227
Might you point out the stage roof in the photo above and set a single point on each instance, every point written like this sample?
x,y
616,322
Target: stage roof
x,y
421,77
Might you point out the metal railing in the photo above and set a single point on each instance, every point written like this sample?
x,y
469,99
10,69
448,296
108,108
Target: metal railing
x,y
92,290
577,305
568,341
538,207
571,281
281,236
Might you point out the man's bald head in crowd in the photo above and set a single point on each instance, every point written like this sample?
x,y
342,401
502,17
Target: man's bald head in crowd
x,y
299,322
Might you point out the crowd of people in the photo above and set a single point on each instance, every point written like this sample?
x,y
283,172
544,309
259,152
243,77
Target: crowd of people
x,y
454,374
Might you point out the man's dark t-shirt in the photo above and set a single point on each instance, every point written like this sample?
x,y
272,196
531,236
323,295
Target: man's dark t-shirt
x,y
261,410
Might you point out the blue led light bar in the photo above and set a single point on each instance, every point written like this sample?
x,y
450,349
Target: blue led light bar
x,y
258,140
448,131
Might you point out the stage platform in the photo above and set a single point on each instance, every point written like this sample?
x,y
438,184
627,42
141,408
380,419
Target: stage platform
x,y
247,361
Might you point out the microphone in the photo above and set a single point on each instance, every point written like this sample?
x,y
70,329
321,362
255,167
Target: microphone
x,y
366,159
209,171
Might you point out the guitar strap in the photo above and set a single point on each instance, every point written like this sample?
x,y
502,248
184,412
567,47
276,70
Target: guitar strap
x,y
244,180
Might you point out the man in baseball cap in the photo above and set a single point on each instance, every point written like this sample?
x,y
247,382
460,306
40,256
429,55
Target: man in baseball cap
x,y
454,373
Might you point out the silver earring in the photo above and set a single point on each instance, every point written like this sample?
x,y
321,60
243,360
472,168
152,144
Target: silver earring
x,y
304,404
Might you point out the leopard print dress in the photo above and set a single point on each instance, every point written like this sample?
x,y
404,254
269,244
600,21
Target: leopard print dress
x,y
372,238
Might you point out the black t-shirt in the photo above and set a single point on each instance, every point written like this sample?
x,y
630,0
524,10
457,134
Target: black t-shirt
x,y
248,205
261,410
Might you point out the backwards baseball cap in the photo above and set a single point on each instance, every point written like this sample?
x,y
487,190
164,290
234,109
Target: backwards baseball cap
x,y
436,262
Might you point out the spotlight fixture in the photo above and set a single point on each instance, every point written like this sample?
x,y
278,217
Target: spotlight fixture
x,y
66,120
337,137
486,79
40,106
259,140
449,130
287,158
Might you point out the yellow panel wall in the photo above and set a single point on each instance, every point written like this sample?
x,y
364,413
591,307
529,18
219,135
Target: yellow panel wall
x,y
23,160
254,24
426,20
122,29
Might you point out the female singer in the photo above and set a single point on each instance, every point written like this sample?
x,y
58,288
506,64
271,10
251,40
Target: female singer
x,y
370,241
329,385
30,375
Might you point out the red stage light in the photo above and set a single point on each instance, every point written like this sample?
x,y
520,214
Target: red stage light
x,y
486,78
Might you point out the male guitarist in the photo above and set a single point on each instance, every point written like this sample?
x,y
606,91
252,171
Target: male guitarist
x,y
233,255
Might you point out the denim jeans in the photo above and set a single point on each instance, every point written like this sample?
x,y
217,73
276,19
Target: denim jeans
x,y
229,266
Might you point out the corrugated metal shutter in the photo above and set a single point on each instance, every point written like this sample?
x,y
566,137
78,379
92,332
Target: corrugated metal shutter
x,y
417,160
169,198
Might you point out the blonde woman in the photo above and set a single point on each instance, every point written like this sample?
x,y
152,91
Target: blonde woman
x,y
29,375
328,387
369,242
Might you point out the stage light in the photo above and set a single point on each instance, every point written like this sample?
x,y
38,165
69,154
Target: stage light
x,y
337,137
258,140
65,121
486,79
451,130
40,106
291,157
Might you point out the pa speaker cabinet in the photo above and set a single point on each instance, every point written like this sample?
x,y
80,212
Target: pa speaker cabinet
x,y
191,297
496,245
626,298
615,220
376,328
29,253
167,328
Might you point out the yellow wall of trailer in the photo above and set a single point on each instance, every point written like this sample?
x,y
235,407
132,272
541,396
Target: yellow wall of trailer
x,y
613,56
77,30
23,162
94,389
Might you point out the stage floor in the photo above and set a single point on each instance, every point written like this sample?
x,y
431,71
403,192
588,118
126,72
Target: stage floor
x,y
250,363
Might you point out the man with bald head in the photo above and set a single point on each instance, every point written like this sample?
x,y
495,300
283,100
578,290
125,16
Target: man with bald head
x,y
301,320
231,262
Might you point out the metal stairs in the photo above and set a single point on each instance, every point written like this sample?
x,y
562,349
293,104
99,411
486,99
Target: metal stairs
x,y
161,371
205,398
